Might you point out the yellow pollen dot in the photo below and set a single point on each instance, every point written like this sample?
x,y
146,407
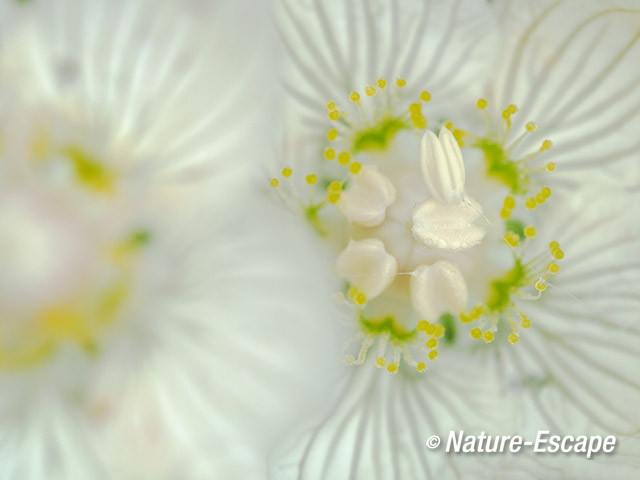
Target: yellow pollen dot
x,y
525,323
505,214
448,124
360,299
546,145
509,202
332,134
541,286
553,246
354,97
381,83
476,333
286,172
401,82
554,268
425,96
531,126
329,154
530,203
540,198
433,354
512,239
333,197
344,158
513,338
392,368
370,90
311,178
421,366
506,114
331,106
380,362
530,231
415,108
465,318
551,167
487,336
335,187
419,121
422,325
512,109
481,104
432,343
438,331
355,167
430,329
334,115
559,254
274,182
353,291
545,192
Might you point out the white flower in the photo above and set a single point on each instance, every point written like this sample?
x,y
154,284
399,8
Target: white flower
x,y
472,234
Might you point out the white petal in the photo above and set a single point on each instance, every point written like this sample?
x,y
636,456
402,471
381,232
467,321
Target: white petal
x,y
448,227
442,166
366,200
438,288
367,265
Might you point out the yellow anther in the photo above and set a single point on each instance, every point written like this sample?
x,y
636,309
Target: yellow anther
x,y
477,311
512,109
274,182
545,192
530,203
380,362
392,368
419,121
481,104
506,114
335,187
331,106
432,343
333,197
438,331
370,90
558,254
381,83
360,299
546,145
531,126
488,336
334,114
415,108
329,153
433,354
425,96
344,158
553,246
525,323
422,325
551,167
530,231
348,360
448,124
421,367
540,285
512,239
509,202
540,198
401,82
554,268
505,214
311,178
465,318
353,291
355,167
430,330
332,134
513,338
354,97
286,172
476,333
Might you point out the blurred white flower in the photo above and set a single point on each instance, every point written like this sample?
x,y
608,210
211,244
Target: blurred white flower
x,y
143,333
424,237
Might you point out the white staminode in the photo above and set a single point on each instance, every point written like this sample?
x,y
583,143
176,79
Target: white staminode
x,y
446,220
438,288
367,198
367,265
